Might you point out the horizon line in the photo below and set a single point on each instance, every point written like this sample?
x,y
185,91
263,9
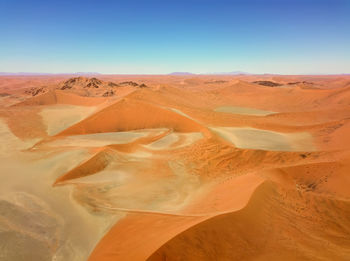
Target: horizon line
x,y
157,74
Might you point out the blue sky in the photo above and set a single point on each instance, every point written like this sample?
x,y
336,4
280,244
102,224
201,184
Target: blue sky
x,y
287,37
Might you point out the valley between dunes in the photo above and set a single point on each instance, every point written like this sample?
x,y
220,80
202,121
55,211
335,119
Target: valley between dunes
x,y
218,167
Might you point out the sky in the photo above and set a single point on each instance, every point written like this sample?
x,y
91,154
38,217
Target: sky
x,y
157,37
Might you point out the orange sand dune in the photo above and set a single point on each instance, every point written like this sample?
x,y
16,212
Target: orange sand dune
x,y
25,123
167,167
103,157
60,97
95,164
131,115
117,243
276,224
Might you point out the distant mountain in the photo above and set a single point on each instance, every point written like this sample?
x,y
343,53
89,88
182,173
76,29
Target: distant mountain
x,y
230,73
22,73
35,73
181,73
87,73
238,73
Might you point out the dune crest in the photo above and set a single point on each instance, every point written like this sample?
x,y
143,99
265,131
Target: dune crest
x,y
175,167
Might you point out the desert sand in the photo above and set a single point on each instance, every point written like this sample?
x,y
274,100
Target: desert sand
x,y
171,167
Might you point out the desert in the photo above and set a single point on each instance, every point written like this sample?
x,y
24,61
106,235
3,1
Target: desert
x,y
187,130
175,167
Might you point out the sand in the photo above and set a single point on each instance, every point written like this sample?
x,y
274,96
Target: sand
x,y
175,141
188,168
59,117
243,111
38,221
100,139
251,138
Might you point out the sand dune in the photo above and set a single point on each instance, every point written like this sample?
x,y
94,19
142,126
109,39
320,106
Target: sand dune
x,y
59,97
250,138
305,231
179,167
242,110
306,203
128,115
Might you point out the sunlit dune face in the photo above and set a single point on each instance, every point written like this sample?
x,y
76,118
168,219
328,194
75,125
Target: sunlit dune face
x,y
250,138
174,168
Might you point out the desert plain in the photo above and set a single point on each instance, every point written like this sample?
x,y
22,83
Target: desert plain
x,y
175,167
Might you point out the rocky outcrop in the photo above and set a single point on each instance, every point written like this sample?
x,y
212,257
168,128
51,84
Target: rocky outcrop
x,y
112,84
268,83
108,93
82,82
86,83
216,82
303,82
94,83
35,91
131,83
93,87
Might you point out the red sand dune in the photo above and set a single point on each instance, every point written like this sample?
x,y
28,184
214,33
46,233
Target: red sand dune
x,y
128,115
248,167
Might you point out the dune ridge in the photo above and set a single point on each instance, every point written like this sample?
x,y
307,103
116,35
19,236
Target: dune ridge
x,y
140,167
